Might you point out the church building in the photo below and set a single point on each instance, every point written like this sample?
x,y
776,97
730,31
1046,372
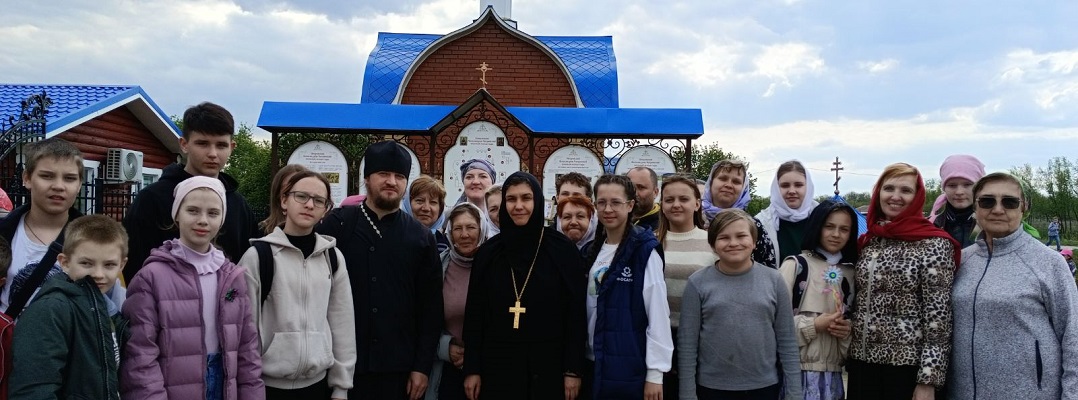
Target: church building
x,y
547,105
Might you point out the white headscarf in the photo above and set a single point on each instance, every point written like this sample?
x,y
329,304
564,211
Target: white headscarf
x,y
781,211
449,233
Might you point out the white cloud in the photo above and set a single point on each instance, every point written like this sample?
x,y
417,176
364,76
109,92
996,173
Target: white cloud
x,y
1049,79
880,66
785,62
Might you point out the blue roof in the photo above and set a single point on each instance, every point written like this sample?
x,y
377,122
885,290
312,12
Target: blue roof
x,y
402,118
71,103
590,60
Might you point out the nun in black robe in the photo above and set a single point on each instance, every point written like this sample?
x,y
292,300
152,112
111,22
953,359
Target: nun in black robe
x,y
531,360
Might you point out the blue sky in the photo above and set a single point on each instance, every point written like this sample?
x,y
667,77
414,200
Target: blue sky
x,y
872,82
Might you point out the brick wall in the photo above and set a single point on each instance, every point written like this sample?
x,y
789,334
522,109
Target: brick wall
x,y
522,74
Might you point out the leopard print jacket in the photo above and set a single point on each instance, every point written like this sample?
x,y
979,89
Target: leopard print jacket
x,y
903,306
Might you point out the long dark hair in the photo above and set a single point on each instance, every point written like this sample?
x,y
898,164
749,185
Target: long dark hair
x,y
697,217
818,219
600,234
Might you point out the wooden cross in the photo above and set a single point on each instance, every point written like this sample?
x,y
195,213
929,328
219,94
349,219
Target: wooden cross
x,y
837,168
484,68
516,311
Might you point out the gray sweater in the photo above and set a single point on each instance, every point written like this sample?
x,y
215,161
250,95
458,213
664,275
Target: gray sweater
x,y
1015,323
733,327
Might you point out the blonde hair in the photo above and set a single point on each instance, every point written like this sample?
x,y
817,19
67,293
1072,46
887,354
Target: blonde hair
x,y
97,229
276,214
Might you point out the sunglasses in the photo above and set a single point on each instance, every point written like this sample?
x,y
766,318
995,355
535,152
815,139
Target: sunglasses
x,y
1009,202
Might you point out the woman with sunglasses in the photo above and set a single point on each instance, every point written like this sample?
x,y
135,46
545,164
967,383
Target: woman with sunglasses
x,y
902,322
1015,307
728,187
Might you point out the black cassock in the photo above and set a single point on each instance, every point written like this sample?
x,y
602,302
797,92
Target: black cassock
x,y
529,362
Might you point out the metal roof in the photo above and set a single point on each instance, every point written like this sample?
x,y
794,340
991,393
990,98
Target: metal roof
x,y
74,104
590,60
404,118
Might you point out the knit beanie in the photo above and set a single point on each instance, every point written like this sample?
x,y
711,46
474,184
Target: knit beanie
x,y
386,156
197,182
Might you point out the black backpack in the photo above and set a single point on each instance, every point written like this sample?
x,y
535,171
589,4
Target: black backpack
x,y
266,266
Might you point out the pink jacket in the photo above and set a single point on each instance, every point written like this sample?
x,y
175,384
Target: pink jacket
x,y
166,355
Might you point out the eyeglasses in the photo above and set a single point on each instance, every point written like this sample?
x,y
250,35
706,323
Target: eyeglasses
x,y
304,197
989,202
616,204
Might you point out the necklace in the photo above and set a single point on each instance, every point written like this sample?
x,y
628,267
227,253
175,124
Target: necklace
x,y
516,309
363,210
26,223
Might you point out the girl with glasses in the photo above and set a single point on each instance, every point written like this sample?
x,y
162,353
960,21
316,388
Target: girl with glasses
x,y
629,338
304,316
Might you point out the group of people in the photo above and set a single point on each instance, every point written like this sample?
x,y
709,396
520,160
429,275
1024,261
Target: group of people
x,y
635,290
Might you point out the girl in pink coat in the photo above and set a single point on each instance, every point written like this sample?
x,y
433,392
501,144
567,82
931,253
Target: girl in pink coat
x,y
192,336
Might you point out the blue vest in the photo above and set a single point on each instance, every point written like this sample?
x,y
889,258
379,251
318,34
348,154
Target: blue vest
x,y
621,321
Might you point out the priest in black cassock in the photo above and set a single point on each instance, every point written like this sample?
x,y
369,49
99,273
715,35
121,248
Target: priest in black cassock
x,y
525,324
396,279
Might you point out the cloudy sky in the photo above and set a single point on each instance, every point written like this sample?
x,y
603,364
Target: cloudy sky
x,y
872,82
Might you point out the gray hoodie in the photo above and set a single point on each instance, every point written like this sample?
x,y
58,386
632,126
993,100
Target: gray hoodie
x,y
1015,323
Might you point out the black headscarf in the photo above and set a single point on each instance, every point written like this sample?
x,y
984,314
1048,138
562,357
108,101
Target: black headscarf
x,y
520,241
816,221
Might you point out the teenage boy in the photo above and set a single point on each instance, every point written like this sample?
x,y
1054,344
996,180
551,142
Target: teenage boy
x,y
53,175
67,342
207,143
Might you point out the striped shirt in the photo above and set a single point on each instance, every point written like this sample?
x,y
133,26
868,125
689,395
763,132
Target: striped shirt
x,y
685,253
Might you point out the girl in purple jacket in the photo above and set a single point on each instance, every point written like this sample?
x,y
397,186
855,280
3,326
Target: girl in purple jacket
x,y
192,336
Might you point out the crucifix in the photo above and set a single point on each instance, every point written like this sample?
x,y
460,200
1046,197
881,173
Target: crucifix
x,y
837,168
516,311
484,68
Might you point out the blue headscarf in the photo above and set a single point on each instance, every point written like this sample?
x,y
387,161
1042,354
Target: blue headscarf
x,y
710,209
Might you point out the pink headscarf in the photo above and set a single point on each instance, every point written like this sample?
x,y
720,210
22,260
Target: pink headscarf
x,y
956,166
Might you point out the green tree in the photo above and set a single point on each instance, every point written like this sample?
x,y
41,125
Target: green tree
x,y
933,189
250,166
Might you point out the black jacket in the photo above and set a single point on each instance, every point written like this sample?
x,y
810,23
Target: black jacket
x,y
149,221
66,346
396,288
10,223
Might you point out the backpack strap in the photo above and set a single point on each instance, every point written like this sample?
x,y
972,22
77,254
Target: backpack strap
x,y
41,271
265,267
801,278
332,255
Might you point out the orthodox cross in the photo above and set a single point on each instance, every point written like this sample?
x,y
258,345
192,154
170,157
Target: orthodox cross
x,y
516,311
484,68
837,168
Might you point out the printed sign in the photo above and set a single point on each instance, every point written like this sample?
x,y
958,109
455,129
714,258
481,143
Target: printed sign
x,y
646,156
328,160
479,140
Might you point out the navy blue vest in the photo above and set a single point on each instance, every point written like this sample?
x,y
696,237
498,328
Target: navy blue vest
x,y
621,320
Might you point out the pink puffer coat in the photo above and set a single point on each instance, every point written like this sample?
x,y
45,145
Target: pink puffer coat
x,y
166,355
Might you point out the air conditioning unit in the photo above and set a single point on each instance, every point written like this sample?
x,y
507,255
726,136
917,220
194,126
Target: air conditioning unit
x,y
123,165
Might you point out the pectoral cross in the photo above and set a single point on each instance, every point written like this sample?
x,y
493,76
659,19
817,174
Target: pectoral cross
x,y
484,68
516,311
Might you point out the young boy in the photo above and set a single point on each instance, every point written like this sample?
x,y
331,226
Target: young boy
x,y
207,144
67,342
53,175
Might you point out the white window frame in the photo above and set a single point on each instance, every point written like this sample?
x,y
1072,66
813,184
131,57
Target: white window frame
x,y
146,172
91,169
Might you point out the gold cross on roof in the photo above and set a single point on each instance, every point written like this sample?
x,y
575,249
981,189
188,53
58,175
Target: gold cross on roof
x,y
484,68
